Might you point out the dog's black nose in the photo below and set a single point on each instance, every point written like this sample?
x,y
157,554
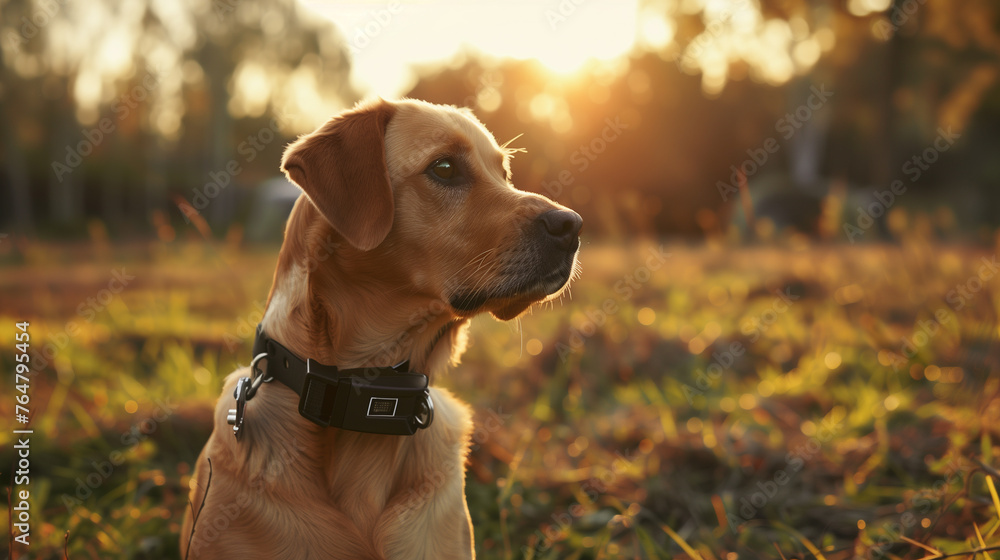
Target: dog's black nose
x,y
563,226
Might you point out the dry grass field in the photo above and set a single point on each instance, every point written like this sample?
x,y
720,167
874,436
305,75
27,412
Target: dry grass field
x,y
798,400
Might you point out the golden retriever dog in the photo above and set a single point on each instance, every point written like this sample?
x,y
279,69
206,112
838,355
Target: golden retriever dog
x,y
408,226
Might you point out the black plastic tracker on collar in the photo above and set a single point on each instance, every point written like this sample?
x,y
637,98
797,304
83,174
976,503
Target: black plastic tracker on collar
x,y
375,400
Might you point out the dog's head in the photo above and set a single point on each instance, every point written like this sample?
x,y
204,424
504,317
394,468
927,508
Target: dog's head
x,y
426,190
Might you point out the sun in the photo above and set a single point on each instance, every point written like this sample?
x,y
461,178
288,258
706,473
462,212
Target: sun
x,y
571,36
563,36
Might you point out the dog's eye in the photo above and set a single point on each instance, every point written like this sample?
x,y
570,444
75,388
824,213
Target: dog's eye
x,y
443,169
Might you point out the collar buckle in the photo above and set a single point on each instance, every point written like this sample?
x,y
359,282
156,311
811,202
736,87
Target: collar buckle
x,y
318,398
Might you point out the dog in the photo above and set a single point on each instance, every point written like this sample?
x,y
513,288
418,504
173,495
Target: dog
x,y
408,226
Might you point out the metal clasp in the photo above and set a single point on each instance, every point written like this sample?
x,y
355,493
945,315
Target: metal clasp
x,y
235,416
246,388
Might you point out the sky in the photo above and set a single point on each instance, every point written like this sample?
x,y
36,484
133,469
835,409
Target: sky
x,y
388,40
562,34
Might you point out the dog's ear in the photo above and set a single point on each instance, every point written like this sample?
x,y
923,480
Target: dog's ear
x,y
341,168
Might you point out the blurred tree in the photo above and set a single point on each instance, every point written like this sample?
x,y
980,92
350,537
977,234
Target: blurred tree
x,y
900,68
135,100
633,145
799,95
188,88
12,160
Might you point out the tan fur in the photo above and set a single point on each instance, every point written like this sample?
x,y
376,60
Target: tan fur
x,y
372,253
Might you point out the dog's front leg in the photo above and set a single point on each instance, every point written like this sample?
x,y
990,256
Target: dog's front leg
x,y
429,525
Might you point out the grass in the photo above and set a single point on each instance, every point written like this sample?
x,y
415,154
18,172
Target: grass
x,y
793,400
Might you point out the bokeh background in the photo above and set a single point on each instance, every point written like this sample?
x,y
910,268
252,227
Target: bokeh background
x,y
784,341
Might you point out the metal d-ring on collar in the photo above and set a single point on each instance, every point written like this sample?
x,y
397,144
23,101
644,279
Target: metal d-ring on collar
x,y
377,400
257,376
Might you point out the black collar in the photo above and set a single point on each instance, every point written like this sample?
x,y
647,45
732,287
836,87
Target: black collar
x,y
376,400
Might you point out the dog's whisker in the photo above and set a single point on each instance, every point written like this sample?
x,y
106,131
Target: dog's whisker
x,y
480,257
520,330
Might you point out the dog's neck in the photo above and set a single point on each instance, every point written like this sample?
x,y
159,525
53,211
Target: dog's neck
x,y
328,304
